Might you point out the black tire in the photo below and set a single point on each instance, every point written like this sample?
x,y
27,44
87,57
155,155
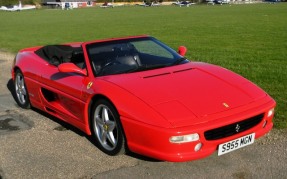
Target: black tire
x,y
107,129
21,92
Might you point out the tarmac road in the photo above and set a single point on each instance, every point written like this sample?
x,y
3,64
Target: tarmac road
x,y
36,145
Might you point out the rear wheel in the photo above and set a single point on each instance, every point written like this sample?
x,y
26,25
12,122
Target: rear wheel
x,y
107,128
21,93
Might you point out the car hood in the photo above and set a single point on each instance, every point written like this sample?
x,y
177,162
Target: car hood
x,y
189,91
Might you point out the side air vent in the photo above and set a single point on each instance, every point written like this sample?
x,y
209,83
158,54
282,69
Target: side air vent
x,y
49,95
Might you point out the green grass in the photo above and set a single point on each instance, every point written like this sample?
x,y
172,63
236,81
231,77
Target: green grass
x,y
248,39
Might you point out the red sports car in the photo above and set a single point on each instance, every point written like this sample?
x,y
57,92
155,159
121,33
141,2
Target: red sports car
x,y
138,94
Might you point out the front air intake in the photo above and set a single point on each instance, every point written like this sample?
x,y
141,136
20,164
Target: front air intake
x,y
234,128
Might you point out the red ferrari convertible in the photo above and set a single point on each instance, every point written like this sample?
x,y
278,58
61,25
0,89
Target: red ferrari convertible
x,y
138,94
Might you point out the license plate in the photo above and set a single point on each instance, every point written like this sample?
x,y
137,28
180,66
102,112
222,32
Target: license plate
x,y
236,144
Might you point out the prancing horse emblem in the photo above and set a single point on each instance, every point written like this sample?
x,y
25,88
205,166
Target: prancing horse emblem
x,y
225,105
89,85
237,127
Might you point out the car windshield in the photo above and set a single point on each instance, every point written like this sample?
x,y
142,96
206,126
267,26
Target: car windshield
x,y
131,55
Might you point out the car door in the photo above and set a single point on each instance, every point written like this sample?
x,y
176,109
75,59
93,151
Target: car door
x,y
61,93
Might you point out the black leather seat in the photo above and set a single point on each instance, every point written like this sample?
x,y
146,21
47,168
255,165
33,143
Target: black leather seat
x,y
55,54
78,58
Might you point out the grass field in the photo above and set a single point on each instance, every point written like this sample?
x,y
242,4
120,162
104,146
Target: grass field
x,y
248,39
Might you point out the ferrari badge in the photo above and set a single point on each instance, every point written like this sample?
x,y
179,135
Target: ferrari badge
x,y
225,105
90,84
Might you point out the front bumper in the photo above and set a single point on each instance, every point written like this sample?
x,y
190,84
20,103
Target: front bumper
x,y
154,142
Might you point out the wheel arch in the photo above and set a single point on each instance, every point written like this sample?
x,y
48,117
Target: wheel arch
x,y
94,99
92,103
13,70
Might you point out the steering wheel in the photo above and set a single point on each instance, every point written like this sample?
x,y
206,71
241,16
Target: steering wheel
x,y
108,64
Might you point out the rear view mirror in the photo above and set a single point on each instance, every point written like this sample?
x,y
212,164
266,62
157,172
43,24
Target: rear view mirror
x,y
182,50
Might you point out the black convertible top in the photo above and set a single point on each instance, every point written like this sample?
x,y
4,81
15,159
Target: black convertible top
x,y
57,54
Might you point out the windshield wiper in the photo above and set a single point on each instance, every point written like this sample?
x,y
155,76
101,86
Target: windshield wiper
x,y
147,67
178,61
151,67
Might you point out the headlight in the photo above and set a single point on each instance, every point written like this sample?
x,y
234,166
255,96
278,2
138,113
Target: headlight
x,y
184,138
270,112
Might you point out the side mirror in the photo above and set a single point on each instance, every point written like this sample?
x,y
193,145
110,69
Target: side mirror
x,y
71,68
182,50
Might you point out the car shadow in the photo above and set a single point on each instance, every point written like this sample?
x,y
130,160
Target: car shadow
x,y
63,126
10,87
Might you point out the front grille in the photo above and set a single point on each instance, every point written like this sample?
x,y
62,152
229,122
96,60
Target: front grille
x,y
234,128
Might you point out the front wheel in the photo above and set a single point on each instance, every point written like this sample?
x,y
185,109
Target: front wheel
x,y
21,93
106,128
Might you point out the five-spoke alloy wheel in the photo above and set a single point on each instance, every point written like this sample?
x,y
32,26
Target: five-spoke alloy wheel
x,y
107,128
21,93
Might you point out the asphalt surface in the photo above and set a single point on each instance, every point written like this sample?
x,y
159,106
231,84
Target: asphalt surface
x,y
36,145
